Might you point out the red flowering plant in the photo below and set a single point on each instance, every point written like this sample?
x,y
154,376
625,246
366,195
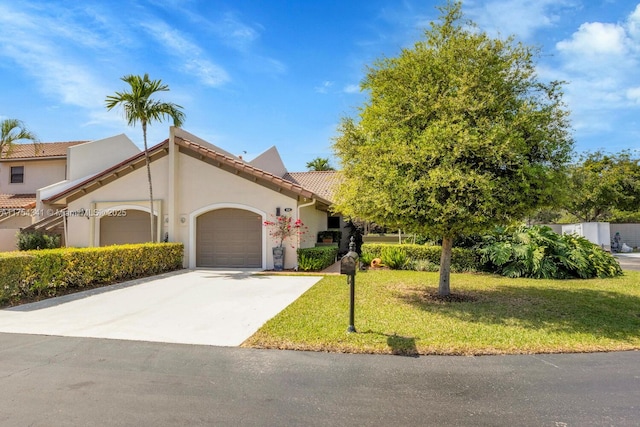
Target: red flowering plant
x,y
282,227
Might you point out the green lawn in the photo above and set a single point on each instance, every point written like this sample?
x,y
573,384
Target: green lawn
x,y
396,312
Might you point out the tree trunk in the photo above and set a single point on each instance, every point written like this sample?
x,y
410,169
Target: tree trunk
x,y
148,162
445,266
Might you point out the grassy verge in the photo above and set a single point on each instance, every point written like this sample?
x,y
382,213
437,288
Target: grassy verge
x,y
398,312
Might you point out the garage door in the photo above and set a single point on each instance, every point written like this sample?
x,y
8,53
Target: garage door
x,y
229,238
134,227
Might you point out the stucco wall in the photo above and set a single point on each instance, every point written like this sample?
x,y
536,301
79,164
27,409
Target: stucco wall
x,y
203,187
128,192
9,228
199,188
8,239
37,174
96,156
316,221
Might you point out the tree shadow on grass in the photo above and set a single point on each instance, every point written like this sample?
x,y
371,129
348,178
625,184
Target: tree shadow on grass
x,y
604,314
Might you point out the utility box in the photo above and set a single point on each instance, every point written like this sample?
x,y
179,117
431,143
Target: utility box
x,y
595,232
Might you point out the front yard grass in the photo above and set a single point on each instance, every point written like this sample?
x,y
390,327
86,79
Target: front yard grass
x,y
397,312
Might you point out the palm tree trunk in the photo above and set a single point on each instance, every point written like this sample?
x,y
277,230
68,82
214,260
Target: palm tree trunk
x,y
148,162
445,266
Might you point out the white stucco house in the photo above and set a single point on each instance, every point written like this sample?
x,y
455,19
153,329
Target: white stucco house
x,y
212,201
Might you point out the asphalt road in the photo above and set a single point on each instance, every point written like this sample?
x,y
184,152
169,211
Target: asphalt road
x,y
67,381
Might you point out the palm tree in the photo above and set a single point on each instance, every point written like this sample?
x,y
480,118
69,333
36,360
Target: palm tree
x,y
319,164
13,131
139,107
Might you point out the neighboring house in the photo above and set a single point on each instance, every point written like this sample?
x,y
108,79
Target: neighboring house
x,y
82,160
23,171
324,184
212,201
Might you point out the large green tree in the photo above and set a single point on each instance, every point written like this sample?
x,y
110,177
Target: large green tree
x,y
13,131
139,106
602,185
458,135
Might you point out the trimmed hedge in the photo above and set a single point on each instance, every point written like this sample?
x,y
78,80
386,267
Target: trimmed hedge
x,y
316,259
44,272
462,259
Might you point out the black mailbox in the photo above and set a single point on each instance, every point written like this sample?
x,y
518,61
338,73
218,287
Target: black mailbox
x,y
348,264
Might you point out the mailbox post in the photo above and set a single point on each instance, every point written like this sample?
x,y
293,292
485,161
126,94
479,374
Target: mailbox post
x,y
349,266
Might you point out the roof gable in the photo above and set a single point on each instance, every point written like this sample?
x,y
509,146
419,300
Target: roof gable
x,y
121,169
206,153
270,161
40,150
246,170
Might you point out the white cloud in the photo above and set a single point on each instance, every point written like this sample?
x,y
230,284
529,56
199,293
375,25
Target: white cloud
x,y
36,44
515,17
633,23
324,87
192,58
633,94
351,89
600,62
235,32
596,39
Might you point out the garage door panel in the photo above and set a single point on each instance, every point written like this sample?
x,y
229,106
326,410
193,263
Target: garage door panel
x,y
134,227
229,238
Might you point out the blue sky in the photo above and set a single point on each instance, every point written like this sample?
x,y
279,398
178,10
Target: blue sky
x,y
252,74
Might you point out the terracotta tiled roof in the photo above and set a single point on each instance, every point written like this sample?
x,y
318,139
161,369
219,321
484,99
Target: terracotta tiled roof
x,y
17,201
322,183
39,150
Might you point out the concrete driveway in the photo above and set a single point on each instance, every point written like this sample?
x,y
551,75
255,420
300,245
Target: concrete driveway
x,y
207,307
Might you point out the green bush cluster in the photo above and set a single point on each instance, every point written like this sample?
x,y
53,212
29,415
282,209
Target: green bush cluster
x,y
394,257
28,241
462,259
44,272
316,259
541,253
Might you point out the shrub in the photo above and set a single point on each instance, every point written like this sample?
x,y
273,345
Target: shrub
x,y
13,281
28,241
394,257
316,259
44,272
539,252
462,259
365,259
423,265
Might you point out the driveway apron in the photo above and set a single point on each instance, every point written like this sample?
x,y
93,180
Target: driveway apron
x,y
207,307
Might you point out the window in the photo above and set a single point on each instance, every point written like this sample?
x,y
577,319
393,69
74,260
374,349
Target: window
x,y
333,222
17,174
